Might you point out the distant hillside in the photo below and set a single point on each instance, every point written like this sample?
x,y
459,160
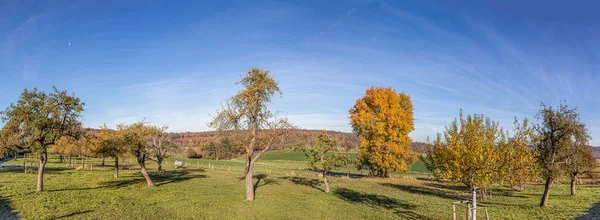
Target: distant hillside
x,y
349,141
596,151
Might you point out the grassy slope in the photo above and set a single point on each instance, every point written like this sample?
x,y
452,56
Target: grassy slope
x,y
219,194
288,156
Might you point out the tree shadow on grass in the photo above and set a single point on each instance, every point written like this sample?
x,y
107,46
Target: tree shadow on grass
x,y
261,180
590,214
20,169
426,191
400,208
6,210
157,179
265,181
314,183
73,214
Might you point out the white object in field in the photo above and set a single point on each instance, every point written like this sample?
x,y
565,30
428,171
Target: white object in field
x,y
178,164
474,217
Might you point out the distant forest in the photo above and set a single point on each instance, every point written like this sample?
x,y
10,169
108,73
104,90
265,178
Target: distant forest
x,y
348,141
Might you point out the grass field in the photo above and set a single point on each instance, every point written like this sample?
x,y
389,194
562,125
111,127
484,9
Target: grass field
x,y
200,192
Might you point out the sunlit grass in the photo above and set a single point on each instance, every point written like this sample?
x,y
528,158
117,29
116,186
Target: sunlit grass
x,y
199,192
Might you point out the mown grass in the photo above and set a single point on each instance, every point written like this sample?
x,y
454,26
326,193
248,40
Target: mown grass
x,y
204,193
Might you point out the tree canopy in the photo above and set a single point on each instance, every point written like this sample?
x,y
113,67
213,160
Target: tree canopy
x,y
248,110
382,119
40,119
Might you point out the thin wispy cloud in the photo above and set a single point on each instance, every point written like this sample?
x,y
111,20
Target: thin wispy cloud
x,y
176,65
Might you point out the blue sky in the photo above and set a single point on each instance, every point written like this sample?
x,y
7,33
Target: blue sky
x,y
173,63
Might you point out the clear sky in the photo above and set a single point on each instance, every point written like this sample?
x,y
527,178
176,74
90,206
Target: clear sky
x,y
173,62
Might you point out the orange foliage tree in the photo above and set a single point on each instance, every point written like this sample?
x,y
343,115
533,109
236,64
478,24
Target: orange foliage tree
x,y
382,119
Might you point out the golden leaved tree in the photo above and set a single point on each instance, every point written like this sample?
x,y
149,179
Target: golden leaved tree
x,y
468,152
109,142
517,164
382,119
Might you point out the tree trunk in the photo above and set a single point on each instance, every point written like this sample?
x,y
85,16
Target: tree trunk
x,y
546,192
102,160
40,181
573,180
248,173
325,182
159,162
70,161
60,157
16,153
116,175
145,174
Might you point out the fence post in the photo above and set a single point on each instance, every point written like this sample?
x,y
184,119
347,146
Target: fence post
x,y
453,211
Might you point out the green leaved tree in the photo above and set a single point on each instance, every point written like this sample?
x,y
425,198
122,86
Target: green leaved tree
x,y
40,119
322,157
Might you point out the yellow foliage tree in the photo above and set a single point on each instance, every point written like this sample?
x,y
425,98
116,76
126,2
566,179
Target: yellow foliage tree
x,y
517,160
111,143
382,119
468,151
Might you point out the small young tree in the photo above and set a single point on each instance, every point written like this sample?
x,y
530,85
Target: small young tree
x,y
558,129
41,119
580,158
135,136
383,119
110,143
80,146
247,110
467,153
322,157
160,145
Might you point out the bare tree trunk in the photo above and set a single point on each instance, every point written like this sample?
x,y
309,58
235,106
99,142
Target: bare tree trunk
x,y
325,182
573,180
40,181
116,175
248,173
145,174
16,153
546,194
60,157
70,161
102,160
159,160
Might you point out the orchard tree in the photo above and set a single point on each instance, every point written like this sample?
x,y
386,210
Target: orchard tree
x,y
109,142
248,111
80,146
135,136
189,150
580,158
517,159
557,130
382,119
160,145
322,157
10,140
40,119
467,153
